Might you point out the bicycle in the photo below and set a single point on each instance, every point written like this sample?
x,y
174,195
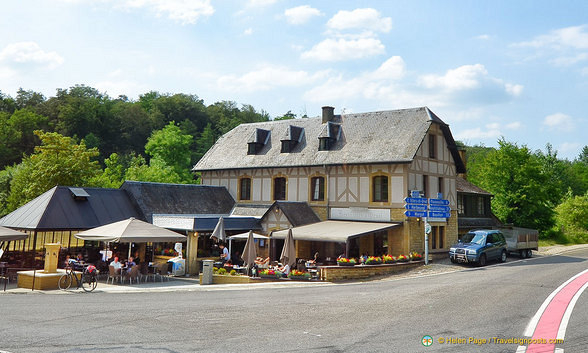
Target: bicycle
x,y
87,280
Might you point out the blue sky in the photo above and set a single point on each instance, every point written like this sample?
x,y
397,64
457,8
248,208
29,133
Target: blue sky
x,y
517,69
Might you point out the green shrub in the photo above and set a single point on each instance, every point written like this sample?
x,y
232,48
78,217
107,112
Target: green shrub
x,y
233,273
222,271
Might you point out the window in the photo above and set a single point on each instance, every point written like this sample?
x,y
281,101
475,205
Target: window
x,y
432,146
425,186
324,144
317,189
460,205
380,188
245,189
481,208
437,238
280,188
440,185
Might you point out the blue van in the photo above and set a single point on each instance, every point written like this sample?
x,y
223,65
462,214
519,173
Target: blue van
x,y
479,246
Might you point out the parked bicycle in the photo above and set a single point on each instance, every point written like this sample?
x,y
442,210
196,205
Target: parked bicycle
x,y
87,279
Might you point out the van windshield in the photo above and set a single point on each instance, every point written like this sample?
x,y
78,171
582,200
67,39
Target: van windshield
x,y
479,239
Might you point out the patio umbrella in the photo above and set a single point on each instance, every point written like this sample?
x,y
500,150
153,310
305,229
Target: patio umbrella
x,y
7,234
130,231
250,252
288,255
219,231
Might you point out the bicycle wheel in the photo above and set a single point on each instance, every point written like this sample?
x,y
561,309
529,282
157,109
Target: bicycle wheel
x,y
64,282
89,283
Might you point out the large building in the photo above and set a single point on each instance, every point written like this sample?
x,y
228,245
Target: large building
x,y
349,167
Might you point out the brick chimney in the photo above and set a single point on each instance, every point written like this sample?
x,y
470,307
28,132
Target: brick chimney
x,y
328,114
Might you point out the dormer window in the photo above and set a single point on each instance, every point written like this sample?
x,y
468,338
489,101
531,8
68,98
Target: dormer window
x,y
79,194
291,138
258,139
329,135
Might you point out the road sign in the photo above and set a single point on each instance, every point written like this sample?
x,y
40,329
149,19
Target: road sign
x,y
414,207
415,213
415,193
416,200
427,228
438,202
440,208
439,214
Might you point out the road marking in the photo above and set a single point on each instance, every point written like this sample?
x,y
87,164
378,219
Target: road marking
x,y
552,318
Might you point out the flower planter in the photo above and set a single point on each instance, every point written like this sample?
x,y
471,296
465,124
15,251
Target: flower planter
x,y
346,263
300,278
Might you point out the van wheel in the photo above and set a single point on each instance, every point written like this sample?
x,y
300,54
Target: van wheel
x,y
503,256
523,254
529,253
482,261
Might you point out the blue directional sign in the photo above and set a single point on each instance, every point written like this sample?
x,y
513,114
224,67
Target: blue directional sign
x,y
440,208
415,194
416,200
415,207
438,214
415,213
437,202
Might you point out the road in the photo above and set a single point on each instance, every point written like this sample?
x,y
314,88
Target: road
x,y
378,316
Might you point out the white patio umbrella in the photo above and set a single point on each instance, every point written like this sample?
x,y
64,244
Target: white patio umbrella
x,y
288,255
130,231
7,234
219,231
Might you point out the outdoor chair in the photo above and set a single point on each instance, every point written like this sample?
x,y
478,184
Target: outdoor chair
x,y
144,272
133,275
114,274
162,271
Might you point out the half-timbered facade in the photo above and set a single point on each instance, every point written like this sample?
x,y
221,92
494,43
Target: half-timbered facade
x,y
357,167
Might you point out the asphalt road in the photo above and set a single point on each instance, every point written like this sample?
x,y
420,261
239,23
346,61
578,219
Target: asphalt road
x,y
377,316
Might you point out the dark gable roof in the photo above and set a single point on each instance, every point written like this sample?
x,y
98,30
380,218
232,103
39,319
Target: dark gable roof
x,y
392,136
58,209
465,187
297,213
162,198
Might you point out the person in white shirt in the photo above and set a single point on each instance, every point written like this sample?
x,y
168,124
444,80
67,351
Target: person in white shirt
x,y
116,264
285,270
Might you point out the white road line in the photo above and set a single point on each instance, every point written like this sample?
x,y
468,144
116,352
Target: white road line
x,y
535,320
521,349
558,350
561,333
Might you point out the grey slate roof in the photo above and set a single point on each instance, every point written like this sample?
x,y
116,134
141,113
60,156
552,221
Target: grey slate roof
x,y
392,136
297,213
57,209
464,186
160,198
250,210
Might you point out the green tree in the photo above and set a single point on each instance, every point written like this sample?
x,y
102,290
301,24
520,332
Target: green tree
x,y
572,217
28,99
59,160
156,171
289,115
204,142
520,186
170,146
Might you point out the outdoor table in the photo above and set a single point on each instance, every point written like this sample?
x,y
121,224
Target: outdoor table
x,y
240,269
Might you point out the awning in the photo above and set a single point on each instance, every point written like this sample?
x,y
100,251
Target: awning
x,y
244,236
333,231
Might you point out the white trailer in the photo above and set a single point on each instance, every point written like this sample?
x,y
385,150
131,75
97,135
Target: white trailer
x,y
521,240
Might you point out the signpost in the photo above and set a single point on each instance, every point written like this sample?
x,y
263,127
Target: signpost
x,y
420,207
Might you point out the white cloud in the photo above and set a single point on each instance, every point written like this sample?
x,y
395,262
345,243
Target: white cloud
x,y
584,71
29,53
483,37
261,3
363,19
248,31
183,11
559,121
569,60
571,37
570,147
301,14
490,131
344,49
267,78
464,77
516,125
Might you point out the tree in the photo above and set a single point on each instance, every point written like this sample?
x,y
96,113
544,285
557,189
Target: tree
x,y
204,142
28,99
520,186
59,160
156,171
170,146
572,217
289,115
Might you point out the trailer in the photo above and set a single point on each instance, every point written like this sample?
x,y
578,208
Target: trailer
x,y
521,240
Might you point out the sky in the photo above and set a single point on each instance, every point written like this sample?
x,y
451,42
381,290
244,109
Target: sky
x,y
496,69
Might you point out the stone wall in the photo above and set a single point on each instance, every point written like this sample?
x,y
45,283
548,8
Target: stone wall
x,y
338,273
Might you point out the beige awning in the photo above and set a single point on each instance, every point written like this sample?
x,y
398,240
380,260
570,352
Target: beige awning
x,y
333,231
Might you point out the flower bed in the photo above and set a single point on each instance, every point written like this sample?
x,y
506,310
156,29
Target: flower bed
x,y
388,259
343,261
415,256
299,275
373,260
402,258
270,274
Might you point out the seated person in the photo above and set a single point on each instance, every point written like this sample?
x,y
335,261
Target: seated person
x,y
136,258
262,263
130,264
116,264
285,270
